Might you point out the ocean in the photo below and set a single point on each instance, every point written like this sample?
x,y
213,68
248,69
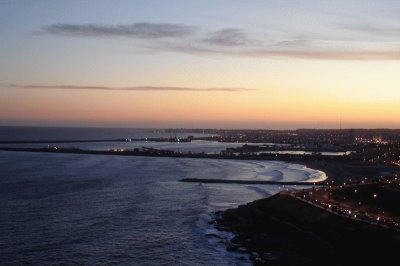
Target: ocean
x,y
122,210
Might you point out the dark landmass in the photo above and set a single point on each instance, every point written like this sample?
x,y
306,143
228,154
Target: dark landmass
x,y
354,222
373,201
284,230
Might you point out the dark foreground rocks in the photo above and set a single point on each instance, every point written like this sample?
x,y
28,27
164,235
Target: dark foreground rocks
x,y
283,230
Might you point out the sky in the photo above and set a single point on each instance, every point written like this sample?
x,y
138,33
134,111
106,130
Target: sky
x,y
210,63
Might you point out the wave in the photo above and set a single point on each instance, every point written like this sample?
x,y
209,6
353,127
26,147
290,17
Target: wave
x,y
259,190
274,175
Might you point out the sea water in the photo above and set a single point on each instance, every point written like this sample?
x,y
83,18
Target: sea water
x,y
124,210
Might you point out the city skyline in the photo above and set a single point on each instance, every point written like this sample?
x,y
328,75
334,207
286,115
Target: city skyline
x,y
229,64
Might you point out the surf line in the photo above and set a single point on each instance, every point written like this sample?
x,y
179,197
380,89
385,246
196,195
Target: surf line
x,y
249,182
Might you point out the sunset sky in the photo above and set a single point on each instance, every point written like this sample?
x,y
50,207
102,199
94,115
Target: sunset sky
x,y
225,64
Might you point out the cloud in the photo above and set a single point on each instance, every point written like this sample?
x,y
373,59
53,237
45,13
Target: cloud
x,y
374,30
294,43
134,88
274,51
327,54
141,30
234,42
228,37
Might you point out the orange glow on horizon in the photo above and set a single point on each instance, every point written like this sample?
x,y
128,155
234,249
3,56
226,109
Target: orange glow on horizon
x,y
255,109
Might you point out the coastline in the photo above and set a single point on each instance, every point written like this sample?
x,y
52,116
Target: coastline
x,y
279,221
340,171
282,230
286,230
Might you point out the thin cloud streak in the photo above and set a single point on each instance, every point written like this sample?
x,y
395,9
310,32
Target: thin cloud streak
x,y
134,88
374,30
228,37
328,55
317,54
141,30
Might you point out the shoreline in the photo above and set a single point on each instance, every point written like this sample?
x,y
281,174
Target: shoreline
x,y
269,228
282,230
337,170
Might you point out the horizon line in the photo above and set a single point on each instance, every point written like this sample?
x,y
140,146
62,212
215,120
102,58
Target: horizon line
x,y
208,128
